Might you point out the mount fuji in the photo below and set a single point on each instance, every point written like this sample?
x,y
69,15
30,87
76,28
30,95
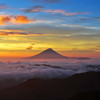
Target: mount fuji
x,y
51,54
48,54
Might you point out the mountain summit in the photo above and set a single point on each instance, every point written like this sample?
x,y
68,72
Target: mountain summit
x,y
51,54
48,54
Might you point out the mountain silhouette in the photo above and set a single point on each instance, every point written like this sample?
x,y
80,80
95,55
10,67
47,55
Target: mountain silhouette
x,y
51,54
48,54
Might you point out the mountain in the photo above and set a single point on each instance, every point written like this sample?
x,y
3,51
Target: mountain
x,y
48,54
51,54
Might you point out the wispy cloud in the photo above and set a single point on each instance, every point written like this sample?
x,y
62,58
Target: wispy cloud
x,y
35,9
19,33
79,26
3,6
54,11
40,9
85,19
70,14
82,50
98,46
96,18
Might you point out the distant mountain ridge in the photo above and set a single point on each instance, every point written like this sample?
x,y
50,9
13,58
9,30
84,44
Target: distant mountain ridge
x,y
51,54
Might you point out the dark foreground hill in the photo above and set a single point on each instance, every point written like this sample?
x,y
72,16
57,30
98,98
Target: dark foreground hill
x,y
56,89
90,95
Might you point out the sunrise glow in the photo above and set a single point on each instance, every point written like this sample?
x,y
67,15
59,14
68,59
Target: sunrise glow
x,y
29,27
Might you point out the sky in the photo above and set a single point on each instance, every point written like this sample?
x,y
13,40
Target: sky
x,y
71,27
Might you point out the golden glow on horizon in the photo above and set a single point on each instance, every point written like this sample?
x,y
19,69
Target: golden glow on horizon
x,y
28,53
14,43
21,48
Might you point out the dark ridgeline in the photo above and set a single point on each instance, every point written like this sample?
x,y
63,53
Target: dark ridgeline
x,y
84,86
51,54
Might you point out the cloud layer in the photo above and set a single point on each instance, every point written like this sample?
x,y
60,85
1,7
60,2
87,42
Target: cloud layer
x,y
19,33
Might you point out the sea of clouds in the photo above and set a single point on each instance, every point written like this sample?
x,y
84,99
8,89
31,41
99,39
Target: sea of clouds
x,y
26,69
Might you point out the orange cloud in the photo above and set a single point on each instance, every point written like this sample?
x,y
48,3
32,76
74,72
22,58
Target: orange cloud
x,y
4,19
19,19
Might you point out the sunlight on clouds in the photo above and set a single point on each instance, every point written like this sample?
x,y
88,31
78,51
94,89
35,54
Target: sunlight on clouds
x,y
98,51
19,19
8,30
